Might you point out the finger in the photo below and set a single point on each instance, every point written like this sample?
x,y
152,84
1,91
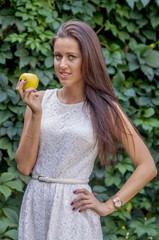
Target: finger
x,y
19,82
79,198
19,87
95,194
83,190
29,94
88,206
29,90
23,82
81,203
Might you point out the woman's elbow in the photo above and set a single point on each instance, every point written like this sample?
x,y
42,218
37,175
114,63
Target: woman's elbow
x,y
23,170
152,171
21,167
155,171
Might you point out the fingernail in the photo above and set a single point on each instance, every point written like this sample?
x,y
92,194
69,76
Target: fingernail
x,y
20,80
73,208
25,79
75,191
71,203
79,210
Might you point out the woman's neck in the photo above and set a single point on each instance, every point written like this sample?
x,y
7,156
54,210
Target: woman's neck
x,y
71,96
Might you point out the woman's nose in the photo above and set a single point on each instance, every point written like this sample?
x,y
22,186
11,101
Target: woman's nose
x,y
63,63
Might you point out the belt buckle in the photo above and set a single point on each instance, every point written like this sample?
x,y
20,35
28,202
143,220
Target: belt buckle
x,y
39,179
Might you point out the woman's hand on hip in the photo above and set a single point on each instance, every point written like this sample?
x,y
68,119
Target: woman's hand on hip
x,y
29,96
87,200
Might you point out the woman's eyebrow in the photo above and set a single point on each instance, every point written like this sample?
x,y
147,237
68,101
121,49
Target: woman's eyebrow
x,y
68,53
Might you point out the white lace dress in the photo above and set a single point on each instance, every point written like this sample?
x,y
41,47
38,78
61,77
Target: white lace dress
x,y
67,150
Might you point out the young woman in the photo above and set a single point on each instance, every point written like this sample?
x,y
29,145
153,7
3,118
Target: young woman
x,y
64,131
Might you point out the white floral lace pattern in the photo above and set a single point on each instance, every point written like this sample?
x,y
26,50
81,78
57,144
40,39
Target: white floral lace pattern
x,y
67,149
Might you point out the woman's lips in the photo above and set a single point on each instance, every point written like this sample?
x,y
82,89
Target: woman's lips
x,y
65,74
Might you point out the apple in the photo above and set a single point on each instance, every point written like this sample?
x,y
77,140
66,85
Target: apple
x,y
32,80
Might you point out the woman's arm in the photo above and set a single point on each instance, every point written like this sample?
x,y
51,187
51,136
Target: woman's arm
x,y
137,150
145,171
27,151
28,147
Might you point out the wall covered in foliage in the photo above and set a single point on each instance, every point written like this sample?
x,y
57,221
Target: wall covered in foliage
x,y
128,32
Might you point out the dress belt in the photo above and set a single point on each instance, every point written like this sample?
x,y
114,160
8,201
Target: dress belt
x,y
60,180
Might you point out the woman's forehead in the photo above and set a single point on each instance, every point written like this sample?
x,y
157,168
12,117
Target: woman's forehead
x,y
67,44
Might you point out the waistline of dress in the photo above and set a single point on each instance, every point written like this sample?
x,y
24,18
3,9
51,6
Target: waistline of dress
x,y
60,180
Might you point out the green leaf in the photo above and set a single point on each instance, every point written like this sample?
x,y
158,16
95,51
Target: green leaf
x,y
18,110
111,70
21,52
5,115
131,3
133,65
145,2
8,22
11,214
117,57
142,22
111,179
153,122
152,58
154,21
143,101
143,228
123,35
149,34
130,93
5,191
130,57
3,79
32,61
45,80
114,47
20,25
49,61
14,97
3,96
5,177
66,6
149,112
155,101
119,77
2,59
13,234
5,144
99,189
3,224
123,167
55,24
136,15
11,132
98,18
15,185
24,61
148,71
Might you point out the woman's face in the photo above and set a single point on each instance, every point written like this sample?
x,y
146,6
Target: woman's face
x,y
68,62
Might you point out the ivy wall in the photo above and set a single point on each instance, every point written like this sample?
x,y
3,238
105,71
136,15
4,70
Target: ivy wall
x,y
128,31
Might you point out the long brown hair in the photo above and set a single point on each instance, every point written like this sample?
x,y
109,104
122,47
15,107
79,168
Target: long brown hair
x,y
99,92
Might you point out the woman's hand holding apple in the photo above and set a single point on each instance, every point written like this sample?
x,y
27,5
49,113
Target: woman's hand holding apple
x,y
26,87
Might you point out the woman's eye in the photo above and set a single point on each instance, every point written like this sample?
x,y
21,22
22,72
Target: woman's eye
x,y
57,56
71,57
